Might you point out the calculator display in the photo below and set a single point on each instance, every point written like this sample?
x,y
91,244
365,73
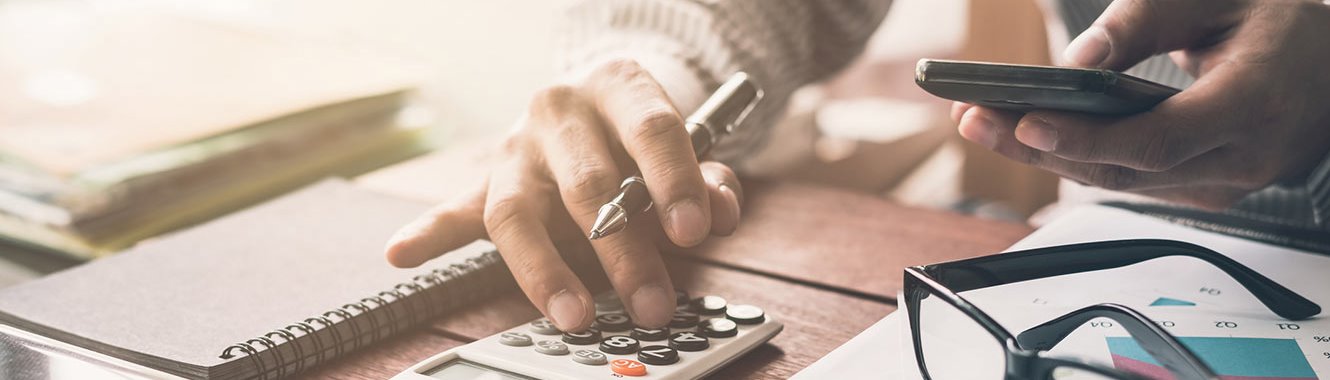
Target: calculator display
x,y
464,370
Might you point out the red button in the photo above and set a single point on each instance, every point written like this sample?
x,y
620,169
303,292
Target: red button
x,y
628,367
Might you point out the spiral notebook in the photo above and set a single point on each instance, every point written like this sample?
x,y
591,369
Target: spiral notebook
x,y
262,293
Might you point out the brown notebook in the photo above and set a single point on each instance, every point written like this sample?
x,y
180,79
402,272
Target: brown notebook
x,y
261,293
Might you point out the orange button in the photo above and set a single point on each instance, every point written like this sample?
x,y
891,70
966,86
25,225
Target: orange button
x,y
628,367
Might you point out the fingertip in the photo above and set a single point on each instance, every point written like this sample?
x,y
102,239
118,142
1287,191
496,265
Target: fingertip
x,y
1036,132
568,309
688,223
1090,49
652,305
726,210
978,128
400,251
958,110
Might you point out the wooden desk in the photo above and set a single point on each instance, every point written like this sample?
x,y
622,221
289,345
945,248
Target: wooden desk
x,y
826,262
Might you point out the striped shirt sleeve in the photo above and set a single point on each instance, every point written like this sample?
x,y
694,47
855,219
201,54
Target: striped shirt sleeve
x,y
690,45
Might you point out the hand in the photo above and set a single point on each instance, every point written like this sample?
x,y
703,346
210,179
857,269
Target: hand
x,y
569,153
1258,113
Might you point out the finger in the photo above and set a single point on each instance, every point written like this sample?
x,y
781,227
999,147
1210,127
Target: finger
x,y
726,197
444,228
579,157
1130,31
652,132
958,109
982,125
1203,170
1186,125
516,204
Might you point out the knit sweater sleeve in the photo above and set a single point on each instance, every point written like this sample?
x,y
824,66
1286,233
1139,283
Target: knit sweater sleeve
x,y
691,45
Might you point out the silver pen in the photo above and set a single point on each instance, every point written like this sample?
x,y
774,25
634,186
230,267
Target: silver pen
x,y
717,117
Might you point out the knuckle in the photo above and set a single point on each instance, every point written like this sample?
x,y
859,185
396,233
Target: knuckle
x,y
619,68
654,124
550,98
590,183
1112,177
501,214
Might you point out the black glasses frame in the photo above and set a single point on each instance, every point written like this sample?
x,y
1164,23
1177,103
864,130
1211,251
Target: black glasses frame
x,y
1023,359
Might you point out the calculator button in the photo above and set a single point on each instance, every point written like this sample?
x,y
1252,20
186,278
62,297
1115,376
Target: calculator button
x,y
551,347
590,336
709,305
650,334
718,328
745,314
608,302
614,322
658,355
689,341
619,345
589,357
515,339
544,327
628,367
683,320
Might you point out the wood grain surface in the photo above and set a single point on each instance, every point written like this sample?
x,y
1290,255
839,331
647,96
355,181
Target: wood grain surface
x,y
848,240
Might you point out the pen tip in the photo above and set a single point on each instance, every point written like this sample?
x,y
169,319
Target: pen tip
x,y
595,235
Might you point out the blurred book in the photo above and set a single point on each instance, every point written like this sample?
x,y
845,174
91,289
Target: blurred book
x,y
118,124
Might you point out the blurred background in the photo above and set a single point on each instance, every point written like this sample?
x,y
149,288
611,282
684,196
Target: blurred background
x,y
121,120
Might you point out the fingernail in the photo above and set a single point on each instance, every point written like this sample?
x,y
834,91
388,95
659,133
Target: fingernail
x,y
652,305
1037,133
566,310
981,131
732,198
687,221
1090,49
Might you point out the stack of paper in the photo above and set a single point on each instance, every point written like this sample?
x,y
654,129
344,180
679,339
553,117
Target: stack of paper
x,y
117,124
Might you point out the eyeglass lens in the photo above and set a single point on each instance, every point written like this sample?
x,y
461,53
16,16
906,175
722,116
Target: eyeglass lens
x,y
956,347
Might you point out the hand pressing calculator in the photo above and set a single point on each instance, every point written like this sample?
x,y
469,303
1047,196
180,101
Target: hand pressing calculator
x,y
705,334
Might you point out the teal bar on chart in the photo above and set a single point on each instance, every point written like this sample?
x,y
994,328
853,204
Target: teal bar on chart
x,y
1231,358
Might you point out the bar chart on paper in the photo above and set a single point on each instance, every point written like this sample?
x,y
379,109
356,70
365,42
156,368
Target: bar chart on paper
x,y
1231,358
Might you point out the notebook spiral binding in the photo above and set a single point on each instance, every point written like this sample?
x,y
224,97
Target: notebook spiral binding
x,y
482,267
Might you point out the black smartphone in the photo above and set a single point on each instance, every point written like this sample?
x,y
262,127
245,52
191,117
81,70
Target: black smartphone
x,y
1026,87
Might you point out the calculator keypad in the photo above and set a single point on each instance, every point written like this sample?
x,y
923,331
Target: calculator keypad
x,y
691,329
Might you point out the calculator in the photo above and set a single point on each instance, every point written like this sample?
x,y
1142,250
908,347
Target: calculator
x,y
705,334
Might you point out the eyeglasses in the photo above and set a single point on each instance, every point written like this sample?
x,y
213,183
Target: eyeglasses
x,y
949,332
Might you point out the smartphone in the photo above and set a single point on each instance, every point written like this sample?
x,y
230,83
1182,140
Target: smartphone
x,y
1026,87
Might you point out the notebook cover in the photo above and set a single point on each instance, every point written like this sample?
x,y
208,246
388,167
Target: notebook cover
x,y
186,297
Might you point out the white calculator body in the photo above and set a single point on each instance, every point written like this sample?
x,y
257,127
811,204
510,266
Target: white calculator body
x,y
705,334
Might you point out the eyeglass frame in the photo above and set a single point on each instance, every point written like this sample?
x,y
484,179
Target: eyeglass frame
x,y
1022,352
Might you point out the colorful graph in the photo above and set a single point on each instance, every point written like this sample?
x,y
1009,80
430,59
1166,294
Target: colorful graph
x,y
1231,358
1165,301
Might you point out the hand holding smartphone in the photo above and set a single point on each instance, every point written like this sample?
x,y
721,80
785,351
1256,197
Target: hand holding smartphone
x,y
1027,88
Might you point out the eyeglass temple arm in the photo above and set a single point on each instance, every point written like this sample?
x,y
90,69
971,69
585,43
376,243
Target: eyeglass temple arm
x,y
1162,346
1033,264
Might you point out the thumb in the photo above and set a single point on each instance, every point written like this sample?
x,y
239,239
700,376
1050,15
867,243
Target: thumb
x,y
1130,31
